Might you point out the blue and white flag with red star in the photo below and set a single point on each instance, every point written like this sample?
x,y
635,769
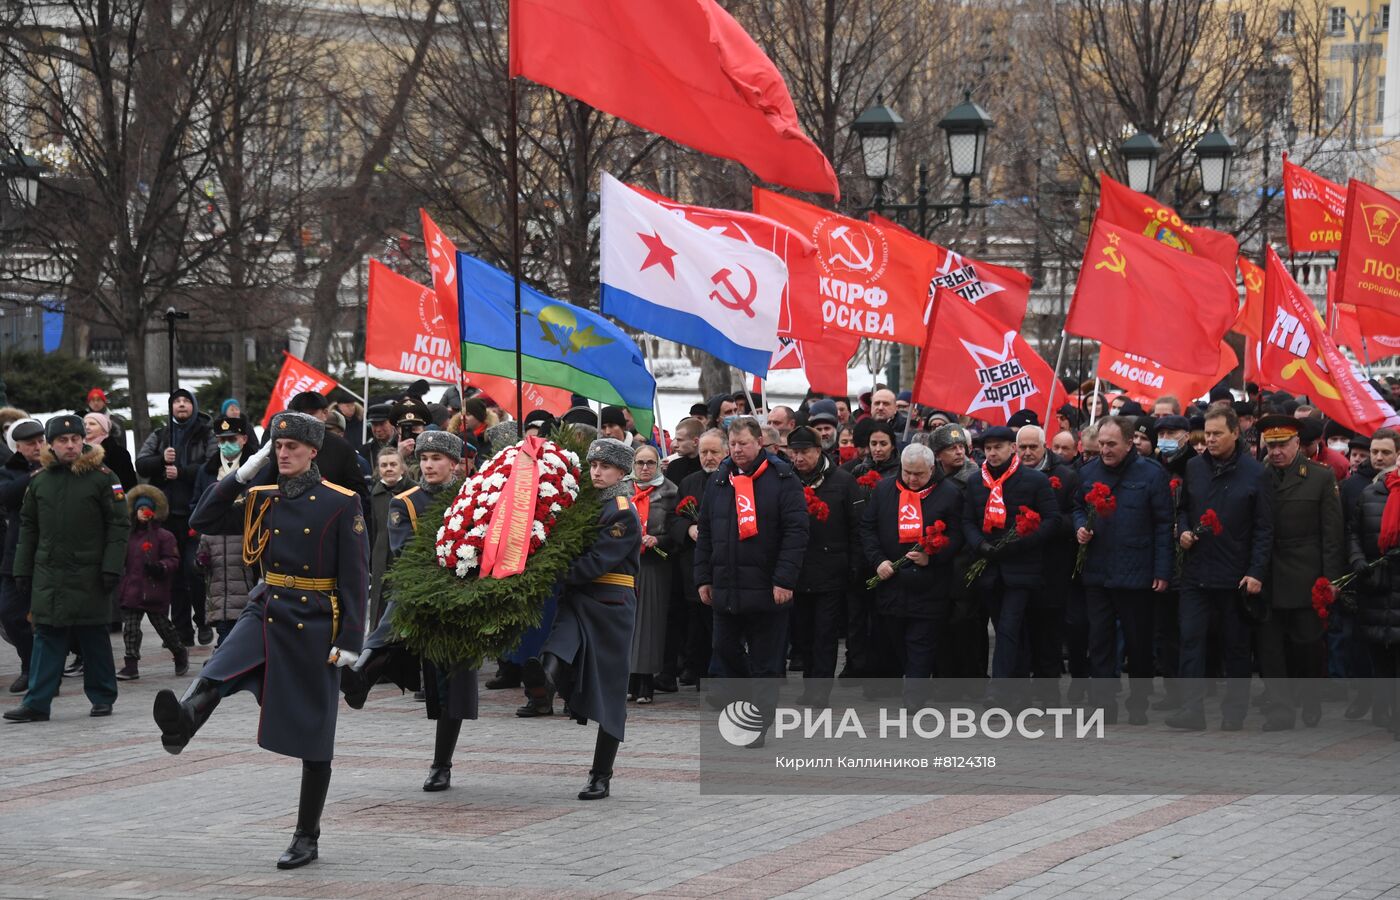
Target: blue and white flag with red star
x,y
677,280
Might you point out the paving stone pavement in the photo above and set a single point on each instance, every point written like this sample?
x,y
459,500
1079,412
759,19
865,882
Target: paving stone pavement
x,y
96,808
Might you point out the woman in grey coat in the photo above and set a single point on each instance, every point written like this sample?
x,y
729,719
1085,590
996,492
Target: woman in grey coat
x,y
655,501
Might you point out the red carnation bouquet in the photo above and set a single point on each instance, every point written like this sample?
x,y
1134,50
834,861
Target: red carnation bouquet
x,y
869,480
688,507
1209,524
1325,593
1100,503
934,541
816,506
1055,483
1027,521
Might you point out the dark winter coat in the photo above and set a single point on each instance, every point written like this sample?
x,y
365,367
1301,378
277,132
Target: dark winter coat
x,y
1060,545
693,485
380,496
913,591
1378,594
1132,547
1238,490
833,546
742,574
15,476
1308,539
118,460
1021,562
73,530
198,445
220,559
1351,491
139,589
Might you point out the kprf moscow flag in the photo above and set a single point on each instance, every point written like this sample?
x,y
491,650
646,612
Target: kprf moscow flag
x,y
676,280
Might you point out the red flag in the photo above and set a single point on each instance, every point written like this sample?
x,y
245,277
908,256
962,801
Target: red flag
x,y
1121,205
873,281
683,69
1145,380
802,308
1371,334
1368,268
442,261
1144,298
409,328
1250,321
295,377
1313,209
1299,356
974,365
999,291
824,362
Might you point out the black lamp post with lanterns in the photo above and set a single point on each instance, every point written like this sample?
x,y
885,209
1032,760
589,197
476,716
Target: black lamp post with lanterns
x,y
1215,154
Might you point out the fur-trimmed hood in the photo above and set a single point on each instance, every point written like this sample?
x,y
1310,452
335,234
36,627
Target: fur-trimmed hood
x,y
152,493
89,460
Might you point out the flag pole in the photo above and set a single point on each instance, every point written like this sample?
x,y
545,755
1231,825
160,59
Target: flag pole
x,y
1366,355
744,381
513,185
364,420
1094,402
1055,382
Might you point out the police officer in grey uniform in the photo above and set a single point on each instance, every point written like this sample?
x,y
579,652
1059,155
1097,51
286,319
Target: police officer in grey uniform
x,y
304,619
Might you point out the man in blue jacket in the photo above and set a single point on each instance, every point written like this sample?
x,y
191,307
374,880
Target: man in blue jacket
x,y
751,539
1224,565
1128,564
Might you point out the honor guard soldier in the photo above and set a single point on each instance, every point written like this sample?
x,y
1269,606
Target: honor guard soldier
x,y
306,617
588,654
452,696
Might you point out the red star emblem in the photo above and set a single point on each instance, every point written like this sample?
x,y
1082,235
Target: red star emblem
x,y
658,254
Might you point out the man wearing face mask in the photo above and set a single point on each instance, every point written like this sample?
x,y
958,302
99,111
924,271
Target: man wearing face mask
x,y
1310,433
233,449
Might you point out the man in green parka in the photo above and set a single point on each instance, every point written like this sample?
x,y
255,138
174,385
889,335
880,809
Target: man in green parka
x,y
72,546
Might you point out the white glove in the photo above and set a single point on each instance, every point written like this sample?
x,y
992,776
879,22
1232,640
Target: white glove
x,y
249,470
364,658
342,658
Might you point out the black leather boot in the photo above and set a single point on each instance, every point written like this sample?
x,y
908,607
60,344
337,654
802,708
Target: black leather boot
x,y
600,776
507,676
440,774
180,719
315,781
549,672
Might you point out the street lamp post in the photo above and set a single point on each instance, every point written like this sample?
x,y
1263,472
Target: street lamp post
x,y
1140,153
1214,155
172,315
20,174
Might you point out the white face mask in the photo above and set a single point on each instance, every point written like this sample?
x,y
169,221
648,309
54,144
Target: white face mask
x,y
1339,446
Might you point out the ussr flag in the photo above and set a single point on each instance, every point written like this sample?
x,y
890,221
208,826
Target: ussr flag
x,y
1121,205
1313,209
824,362
1250,321
872,281
683,69
1368,268
294,378
1141,297
1145,379
1000,291
1299,356
801,314
974,365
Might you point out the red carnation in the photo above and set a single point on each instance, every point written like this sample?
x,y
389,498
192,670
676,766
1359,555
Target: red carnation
x,y
869,479
193,533
934,539
1055,483
1323,596
1027,521
1100,503
1211,522
1175,485
145,546
688,507
816,507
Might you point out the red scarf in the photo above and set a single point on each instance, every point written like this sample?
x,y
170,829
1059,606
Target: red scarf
x,y
994,516
1390,519
744,510
641,500
911,513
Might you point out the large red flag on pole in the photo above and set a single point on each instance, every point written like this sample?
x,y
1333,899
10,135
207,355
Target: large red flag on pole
x,y
1145,216
974,365
1145,379
1313,209
682,68
1299,356
1368,268
294,378
1142,297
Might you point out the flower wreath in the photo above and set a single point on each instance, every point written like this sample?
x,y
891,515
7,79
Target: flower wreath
x,y
463,532
443,610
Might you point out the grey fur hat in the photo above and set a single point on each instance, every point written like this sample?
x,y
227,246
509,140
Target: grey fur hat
x,y
297,426
613,452
948,435
443,442
502,435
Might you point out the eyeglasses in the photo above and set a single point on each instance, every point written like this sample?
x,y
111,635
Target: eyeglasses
x,y
645,463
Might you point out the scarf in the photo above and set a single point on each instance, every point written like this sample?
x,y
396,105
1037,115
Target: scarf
x,y
623,488
745,513
994,516
642,500
435,490
296,485
911,512
814,478
1390,519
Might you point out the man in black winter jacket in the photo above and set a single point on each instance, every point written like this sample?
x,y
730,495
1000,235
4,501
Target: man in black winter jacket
x,y
991,510
171,459
833,543
1225,565
751,540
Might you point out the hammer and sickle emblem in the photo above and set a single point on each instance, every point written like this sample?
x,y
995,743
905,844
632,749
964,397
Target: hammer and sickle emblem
x,y
732,297
1253,282
1319,384
908,513
744,504
1114,263
859,262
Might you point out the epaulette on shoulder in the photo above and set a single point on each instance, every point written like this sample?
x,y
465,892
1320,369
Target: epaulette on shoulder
x,y
262,487
337,488
408,493
623,503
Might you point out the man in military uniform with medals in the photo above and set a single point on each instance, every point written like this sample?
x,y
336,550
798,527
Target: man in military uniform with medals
x,y
304,619
451,696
